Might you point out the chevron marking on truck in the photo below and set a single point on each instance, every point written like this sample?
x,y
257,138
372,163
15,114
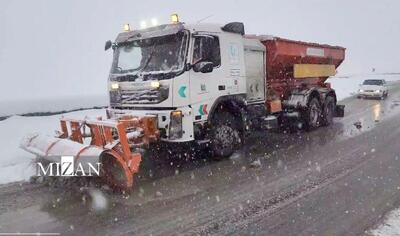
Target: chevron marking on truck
x,y
181,91
203,109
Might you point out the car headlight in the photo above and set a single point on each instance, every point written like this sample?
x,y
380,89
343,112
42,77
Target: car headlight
x,y
175,125
377,91
360,90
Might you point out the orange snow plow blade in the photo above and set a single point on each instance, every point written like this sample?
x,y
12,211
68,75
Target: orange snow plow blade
x,y
111,143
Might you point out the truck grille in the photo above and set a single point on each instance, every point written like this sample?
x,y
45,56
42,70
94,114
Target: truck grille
x,y
147,96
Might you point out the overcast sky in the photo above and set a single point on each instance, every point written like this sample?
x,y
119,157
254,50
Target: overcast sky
x,y
55,48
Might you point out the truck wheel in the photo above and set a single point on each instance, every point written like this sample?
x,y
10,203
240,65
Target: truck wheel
x,y
225,137
312,115
328,112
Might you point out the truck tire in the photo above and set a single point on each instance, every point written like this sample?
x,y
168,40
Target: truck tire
x,y
328,111
312,114
224,135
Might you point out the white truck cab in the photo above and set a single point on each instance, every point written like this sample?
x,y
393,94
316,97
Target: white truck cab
x,y
214,85
184,73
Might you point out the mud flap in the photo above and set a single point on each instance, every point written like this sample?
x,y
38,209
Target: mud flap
x,y
339,111
271,122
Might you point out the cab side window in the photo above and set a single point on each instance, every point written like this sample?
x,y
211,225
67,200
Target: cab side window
x,y
206,48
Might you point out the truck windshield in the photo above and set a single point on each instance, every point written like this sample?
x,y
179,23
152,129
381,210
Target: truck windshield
x,y
152,55
373,82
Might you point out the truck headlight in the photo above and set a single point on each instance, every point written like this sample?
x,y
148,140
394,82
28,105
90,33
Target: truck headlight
x,y
114,86
155,84
175,125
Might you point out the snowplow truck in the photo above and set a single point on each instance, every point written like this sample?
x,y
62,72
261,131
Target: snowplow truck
x,y
213,84
201,84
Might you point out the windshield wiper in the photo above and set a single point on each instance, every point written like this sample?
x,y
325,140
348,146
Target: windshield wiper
x,y
159,75
124,77
148,60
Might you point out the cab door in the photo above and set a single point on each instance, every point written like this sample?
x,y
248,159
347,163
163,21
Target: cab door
x,y
206,74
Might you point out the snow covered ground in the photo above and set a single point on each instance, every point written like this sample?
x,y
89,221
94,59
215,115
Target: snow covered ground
x,y
390,226
15,163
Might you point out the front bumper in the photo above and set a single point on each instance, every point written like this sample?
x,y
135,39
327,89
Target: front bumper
x,y
370,94
163,120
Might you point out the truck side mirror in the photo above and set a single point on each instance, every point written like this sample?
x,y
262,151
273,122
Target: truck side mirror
x,y
107,45
203,67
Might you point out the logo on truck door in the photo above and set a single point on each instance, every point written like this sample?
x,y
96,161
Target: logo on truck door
x,y
203,87
234,54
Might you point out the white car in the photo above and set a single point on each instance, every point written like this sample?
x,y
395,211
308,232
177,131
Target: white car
x,y
374,88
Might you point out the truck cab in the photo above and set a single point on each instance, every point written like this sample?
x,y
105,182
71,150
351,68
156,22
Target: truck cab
x,y
179,73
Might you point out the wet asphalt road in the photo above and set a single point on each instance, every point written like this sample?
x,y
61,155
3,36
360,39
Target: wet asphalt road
x,y
337,180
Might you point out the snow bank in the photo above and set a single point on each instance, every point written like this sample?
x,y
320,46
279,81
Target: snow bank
x,y
15,163
390,227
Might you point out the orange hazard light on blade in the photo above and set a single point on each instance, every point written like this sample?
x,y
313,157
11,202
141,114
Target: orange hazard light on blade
x,y
313,70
